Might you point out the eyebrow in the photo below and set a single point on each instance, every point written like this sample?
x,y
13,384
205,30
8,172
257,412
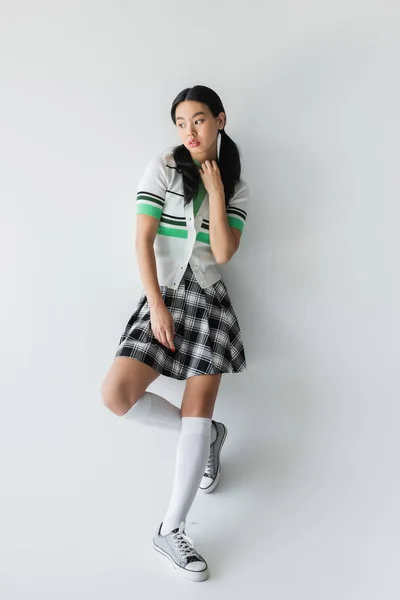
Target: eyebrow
x,y
195,115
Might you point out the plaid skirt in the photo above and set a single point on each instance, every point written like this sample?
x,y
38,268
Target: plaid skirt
x,y
207,333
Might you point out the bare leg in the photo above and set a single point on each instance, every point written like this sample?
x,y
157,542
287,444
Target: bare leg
x,y
125,383
200,396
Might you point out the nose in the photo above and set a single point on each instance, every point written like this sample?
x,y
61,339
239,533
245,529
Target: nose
x,y
191,131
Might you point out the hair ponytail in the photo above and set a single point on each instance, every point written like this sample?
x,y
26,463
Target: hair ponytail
x,y
229,165
228,159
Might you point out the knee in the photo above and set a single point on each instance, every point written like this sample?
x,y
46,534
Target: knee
x,y
116,397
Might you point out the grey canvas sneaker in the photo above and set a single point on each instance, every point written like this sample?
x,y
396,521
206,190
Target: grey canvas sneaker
x,y
213,468
180,550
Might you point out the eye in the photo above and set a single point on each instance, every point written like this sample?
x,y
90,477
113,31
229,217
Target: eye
x,y
199,121
181,125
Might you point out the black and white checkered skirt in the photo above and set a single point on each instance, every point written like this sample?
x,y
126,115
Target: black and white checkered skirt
x,y
207,333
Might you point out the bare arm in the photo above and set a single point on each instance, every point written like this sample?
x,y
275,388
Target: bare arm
x,y
146,230
162,323
224,239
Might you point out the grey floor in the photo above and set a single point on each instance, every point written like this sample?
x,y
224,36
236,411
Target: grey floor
x,y
295,516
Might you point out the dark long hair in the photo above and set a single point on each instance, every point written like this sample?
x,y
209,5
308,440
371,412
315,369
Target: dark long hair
x,y
228,160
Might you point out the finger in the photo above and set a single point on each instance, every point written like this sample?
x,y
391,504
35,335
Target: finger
x,y
165,343
160,336
170,339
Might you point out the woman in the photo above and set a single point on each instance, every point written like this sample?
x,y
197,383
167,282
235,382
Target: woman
x,y
191,209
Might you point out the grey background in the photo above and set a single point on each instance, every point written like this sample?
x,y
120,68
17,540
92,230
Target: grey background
x,y
307,503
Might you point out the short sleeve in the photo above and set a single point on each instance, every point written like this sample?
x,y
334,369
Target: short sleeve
x,y
152,189
237,207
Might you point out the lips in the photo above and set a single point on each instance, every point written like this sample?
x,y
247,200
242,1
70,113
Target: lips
x,y
194,144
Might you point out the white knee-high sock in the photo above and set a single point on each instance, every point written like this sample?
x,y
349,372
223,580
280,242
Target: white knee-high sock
x,y
154,410
191,459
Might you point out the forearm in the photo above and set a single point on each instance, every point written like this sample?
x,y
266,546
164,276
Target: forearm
x,y
148,272
222,240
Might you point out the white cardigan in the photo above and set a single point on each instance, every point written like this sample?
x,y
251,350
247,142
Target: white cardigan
x,y
182,238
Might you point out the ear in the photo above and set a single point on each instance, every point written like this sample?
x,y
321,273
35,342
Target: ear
x,y
221,120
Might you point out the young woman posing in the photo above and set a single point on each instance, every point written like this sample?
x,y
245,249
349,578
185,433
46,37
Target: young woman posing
x,y
191,209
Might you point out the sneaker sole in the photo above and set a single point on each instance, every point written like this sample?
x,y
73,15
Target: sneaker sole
x,y
214,484
191,575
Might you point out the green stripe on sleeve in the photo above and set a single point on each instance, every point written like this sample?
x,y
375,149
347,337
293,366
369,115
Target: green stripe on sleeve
x,y
237,223
148,209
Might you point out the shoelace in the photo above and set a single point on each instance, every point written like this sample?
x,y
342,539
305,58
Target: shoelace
x,y
183,543
210,466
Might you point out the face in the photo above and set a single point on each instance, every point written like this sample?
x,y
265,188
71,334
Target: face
x,y
198,129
